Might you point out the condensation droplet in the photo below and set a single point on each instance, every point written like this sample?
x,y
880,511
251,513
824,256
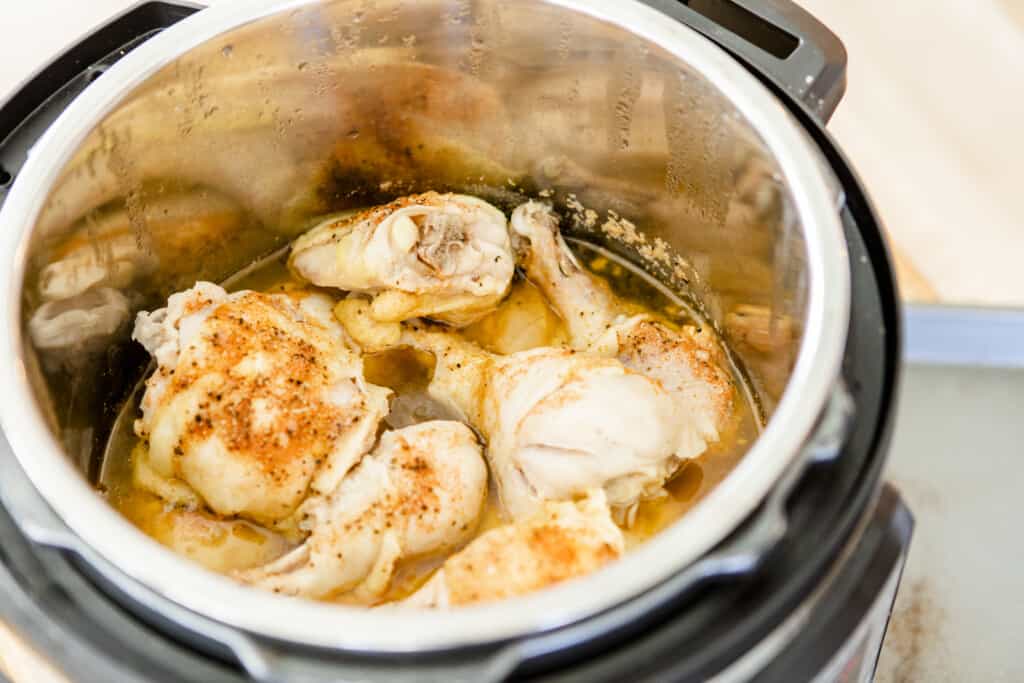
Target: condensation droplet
x,y
564,39
227,50
627,85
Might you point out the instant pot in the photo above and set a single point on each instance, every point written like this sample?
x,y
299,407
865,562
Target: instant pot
x,y
179,143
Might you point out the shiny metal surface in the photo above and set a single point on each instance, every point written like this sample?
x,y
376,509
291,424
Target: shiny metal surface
x,y
835,632
754,661
962,336
223,137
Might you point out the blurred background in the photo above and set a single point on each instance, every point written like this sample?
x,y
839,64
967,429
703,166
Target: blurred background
x,y
933,119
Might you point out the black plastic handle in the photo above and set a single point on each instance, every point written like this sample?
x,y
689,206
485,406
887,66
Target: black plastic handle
x,y
776,38
39,100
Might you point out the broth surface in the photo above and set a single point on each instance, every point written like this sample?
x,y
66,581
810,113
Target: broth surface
x,y
523,320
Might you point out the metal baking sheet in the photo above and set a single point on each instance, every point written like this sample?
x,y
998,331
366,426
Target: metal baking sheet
x,y
958,459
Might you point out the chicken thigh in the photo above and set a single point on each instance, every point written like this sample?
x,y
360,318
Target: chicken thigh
x,y
558,422
419,492
257,401
562,541
443,256
688,362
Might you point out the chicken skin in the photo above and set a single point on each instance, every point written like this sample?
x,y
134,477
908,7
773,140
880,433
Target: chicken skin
x,y
257,402
687,362
259,424
419,492
562,541
442,256
545,414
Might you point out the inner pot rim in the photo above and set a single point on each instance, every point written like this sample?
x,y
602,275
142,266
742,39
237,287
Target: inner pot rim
x,y
174,578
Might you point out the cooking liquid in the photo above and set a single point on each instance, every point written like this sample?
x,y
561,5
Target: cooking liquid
x,y
524,320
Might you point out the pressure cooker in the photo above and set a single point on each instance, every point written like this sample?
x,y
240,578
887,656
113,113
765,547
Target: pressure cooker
x,y
699,122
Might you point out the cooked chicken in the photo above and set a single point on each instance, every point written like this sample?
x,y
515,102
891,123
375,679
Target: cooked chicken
x,y
220,545
761,329
421,491
562,541
256,402
687,362
443,256
545,413
523,321
172,491
767,340
111,261
81,323
110,248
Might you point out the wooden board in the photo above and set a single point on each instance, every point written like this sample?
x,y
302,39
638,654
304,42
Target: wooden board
x,y
933,120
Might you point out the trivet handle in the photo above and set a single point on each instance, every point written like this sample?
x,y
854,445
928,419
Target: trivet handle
x,y
777,38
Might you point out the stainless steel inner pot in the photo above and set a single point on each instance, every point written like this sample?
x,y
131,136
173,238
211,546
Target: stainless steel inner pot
x,y
220,139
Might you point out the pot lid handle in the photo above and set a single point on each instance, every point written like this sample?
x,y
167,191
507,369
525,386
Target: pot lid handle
x,y
779,40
